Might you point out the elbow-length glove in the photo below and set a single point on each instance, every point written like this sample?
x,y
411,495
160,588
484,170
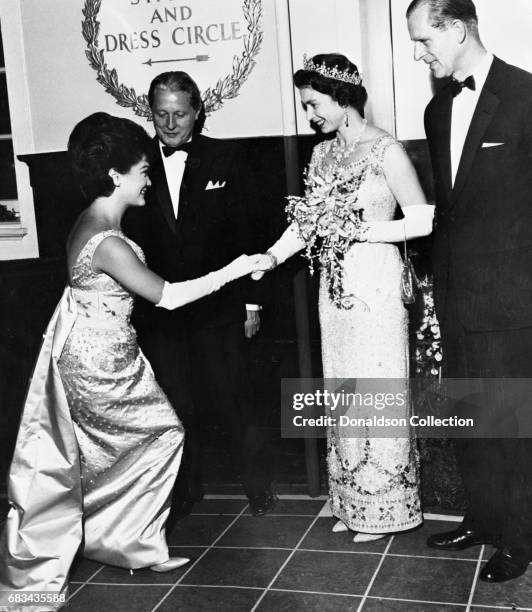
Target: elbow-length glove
x,y
179,294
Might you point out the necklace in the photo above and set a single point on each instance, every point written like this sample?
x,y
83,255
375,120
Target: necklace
x,y
340,152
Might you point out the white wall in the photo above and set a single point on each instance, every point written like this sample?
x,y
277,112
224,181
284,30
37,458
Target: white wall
x,y
505,29
324,27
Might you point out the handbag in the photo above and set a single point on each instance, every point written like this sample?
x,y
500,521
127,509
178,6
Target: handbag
x,y
409,280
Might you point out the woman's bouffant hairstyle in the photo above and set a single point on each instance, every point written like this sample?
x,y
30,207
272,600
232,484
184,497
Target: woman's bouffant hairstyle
x,y
102,142
346,94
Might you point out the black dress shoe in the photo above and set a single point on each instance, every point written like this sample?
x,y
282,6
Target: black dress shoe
x,y
458,539
505,564
263,503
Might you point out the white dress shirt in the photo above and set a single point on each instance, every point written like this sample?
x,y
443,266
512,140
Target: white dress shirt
x,y
174,168
464,105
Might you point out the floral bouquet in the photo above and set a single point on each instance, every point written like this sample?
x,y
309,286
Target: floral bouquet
x,y
330,224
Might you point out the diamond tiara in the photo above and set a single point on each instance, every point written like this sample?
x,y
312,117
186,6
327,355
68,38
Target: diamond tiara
x,y
332,73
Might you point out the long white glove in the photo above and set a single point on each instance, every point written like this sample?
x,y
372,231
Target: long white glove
x,y
179,294
417,223
288,244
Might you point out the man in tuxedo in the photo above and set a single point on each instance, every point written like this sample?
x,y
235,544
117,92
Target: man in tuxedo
x,y
197,220
479,131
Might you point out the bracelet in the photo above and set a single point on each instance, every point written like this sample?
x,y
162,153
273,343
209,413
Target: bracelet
x,y
273,259
363,229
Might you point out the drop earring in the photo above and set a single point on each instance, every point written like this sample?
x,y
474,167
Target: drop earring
x,y
346,119
115,178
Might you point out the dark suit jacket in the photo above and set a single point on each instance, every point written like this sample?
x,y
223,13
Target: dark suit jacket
x,y
212,228
483,235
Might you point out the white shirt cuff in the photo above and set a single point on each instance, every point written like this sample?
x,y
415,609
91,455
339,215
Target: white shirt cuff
x,y
253,307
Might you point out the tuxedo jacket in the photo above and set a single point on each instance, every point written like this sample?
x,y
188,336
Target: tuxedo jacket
x,y
483,234
212,228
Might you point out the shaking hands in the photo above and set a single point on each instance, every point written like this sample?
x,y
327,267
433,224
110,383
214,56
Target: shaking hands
x,y
263,263
256,265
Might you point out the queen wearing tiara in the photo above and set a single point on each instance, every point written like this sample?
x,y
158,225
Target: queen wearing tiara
x,y
346,223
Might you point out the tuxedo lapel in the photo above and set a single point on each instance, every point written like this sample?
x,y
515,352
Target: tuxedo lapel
x,y
162,193
190,178
441,129
486,108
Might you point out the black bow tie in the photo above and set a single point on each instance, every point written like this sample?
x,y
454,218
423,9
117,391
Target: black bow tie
x,y
457,86
167,151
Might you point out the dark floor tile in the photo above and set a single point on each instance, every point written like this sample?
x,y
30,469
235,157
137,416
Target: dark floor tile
x,y
99,598
394,605
221,599
236,567
112,574
320,537
328,572
516,592
311,507
268,531
187,551
482,609
83,569
283,601
196,530
414,542
220,506
438,580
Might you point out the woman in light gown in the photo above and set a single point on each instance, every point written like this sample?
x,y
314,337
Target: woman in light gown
x,y
99,445
373,482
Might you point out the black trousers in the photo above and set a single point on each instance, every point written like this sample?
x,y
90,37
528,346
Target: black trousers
x,y
496,472
204,373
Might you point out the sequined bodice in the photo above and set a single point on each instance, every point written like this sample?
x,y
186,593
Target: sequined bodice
x,y
370,270
101,300
374,195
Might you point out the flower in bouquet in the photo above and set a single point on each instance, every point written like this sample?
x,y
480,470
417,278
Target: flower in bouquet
x,y
330,223
428,351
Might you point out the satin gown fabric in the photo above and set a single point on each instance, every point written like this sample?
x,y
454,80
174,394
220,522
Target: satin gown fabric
x,y
99,444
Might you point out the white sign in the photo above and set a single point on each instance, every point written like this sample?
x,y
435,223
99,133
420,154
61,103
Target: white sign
x,y
131,41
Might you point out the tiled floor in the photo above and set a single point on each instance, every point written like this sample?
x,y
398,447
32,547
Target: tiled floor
x,y
290,561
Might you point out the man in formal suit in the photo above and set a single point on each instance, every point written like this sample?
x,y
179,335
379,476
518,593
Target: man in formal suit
x,y
197,219
479,131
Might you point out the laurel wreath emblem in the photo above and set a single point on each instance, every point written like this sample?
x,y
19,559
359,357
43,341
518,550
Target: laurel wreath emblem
x,y
226,88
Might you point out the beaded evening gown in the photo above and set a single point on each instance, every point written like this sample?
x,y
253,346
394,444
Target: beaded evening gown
x,y
373,482
99,444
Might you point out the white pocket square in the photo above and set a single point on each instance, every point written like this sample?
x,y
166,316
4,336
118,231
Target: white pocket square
x,y
217,185
486,145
